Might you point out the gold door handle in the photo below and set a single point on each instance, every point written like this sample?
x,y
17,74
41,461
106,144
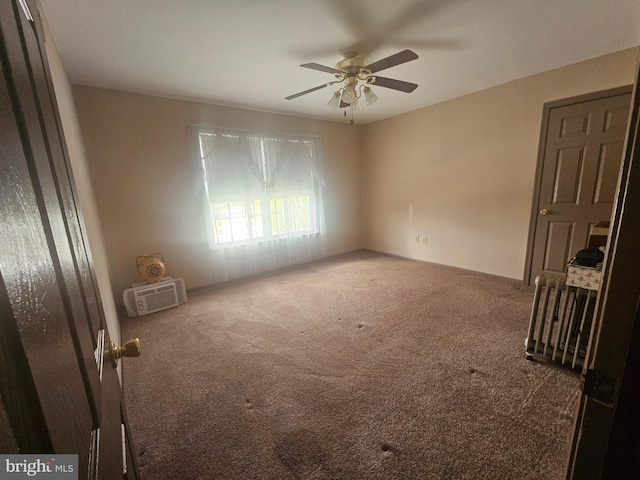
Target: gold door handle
x,y
129,349
544,211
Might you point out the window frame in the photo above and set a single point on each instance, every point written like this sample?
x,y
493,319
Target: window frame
x,y
264,196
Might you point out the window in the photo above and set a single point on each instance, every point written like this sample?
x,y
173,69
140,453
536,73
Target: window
x,y
259,187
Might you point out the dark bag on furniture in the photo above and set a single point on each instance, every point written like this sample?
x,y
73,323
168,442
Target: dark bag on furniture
x,y
589,257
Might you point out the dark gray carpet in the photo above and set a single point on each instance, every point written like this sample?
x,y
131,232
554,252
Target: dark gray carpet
x,y
363,366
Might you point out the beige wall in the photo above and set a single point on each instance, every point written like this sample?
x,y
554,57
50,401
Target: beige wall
x,y
138,151
462,172
84,187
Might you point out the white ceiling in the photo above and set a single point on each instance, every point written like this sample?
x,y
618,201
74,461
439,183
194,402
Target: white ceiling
x,y
246,53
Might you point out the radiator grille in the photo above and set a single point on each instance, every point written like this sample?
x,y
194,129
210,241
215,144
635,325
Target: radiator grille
x,y
561,320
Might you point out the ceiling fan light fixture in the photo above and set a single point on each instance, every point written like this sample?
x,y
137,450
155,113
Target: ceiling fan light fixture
x,y
369,96
352,70
349,94
335,100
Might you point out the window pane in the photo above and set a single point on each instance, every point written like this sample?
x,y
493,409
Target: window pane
x,y
220,210
239,229
237,209
257,227
230,222
277,216
222,231
301,212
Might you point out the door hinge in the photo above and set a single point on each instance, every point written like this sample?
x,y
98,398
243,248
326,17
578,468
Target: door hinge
x,y
599,386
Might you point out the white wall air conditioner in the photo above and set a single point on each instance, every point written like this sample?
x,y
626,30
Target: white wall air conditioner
x,y
144,298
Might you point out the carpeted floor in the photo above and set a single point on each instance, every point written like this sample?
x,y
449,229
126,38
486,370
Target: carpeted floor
x,y
363,366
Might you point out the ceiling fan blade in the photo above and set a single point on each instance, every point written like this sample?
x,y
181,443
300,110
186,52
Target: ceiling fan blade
x,y
412,42
393,60
394,84
380,28
299,94
322,68
441,44
413,15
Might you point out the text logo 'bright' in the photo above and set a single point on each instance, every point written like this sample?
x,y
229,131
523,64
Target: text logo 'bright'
x,y
50,467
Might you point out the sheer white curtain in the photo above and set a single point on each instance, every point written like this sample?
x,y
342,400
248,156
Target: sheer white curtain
x,y
262,196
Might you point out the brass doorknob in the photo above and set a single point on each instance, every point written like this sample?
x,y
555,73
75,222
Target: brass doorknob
x,y
544,211
129,349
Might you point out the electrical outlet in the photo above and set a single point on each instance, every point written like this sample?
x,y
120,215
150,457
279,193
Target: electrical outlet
x,y
424,239
417,238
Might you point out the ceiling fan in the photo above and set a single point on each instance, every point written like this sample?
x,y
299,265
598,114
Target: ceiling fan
x,y
352,70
